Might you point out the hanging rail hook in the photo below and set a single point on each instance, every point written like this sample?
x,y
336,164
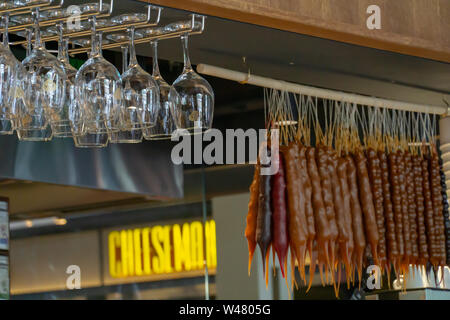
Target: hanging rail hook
x,y
158,15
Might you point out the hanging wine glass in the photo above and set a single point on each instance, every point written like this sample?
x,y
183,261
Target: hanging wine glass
x,y
116,136
99,91
43,86
124,136
192,98
141,98
61,127
31,134
165,125
8,67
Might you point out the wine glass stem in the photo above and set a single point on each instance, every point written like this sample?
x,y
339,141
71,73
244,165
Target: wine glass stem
x,y
63,52
96,39
37,31
187,60
133,59
156,72
29,40
124,58
63,48
97,44
5,33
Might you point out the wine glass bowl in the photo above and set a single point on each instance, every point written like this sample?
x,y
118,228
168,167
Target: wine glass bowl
x,y
39,88
62,128
99,91
192,98
164,126
141,98
9,65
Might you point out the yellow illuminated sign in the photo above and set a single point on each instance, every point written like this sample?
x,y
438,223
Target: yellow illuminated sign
x,y
162,249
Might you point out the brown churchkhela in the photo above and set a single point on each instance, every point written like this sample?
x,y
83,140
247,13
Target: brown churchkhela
x,y
250,230
322,161
339,202
343,232
347,247
420,206
391,238
429,218
368,208
357,217
436,198
378,201
406,232
298,226
279,217
264,219
323,232
412,208
307,188
397,203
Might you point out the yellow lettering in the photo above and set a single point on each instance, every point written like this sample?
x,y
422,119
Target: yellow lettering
x,y
197,245
181,247
167,251
162,249
137,252
130,253
157,237
146,250
211,249
113,244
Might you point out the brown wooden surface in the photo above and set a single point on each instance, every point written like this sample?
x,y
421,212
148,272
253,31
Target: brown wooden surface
x,y
414,27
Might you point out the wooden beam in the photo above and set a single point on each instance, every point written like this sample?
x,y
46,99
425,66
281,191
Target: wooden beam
x,y
414,27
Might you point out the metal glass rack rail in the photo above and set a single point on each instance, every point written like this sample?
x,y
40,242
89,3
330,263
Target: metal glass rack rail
x,y
55,14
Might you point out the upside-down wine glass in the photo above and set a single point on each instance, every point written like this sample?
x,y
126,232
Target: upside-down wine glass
x,y
192,98
124,136
8,67
62,128
43,85
117,136
141,98
165,125
99,93
34,134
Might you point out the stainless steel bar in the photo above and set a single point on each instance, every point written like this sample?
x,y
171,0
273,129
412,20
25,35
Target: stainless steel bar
x,y
25,9
170,35
46,23
107,29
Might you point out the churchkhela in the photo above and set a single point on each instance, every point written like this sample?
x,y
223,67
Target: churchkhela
x,y
371,191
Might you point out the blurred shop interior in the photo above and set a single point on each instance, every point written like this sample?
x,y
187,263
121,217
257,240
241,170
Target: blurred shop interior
x,y
91,208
